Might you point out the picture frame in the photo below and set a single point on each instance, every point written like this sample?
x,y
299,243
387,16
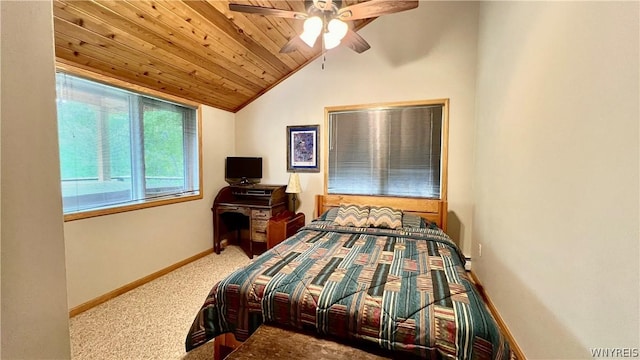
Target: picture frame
x,y
303,148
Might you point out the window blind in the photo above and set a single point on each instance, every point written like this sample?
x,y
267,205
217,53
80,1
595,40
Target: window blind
x,y
389,151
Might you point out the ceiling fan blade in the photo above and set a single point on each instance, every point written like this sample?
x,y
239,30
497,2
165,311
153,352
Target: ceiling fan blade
x,y
355,42
259,10
292,45
374,8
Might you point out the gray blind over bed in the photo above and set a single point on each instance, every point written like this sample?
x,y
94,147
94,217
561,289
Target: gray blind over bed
x,y
390,151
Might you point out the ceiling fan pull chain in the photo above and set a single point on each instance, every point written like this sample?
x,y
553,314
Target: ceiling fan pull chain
x,y
324,58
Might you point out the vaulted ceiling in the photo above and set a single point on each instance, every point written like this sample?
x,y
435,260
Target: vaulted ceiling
x,y
195,50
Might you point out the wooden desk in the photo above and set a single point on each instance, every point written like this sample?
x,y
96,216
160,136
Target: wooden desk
x,y
242,213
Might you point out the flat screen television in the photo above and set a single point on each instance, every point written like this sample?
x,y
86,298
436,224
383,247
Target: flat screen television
x,y
243,170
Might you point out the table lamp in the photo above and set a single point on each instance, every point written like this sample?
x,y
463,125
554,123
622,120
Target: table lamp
x,y
293,188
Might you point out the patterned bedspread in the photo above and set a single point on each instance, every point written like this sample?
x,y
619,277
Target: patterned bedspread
x,y
404,290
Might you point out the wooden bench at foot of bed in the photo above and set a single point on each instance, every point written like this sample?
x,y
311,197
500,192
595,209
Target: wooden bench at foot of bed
x,y
273,343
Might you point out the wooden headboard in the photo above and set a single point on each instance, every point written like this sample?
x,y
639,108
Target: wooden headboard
x,y
433,210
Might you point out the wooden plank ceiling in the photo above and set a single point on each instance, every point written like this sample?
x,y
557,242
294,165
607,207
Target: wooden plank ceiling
x,y
195,50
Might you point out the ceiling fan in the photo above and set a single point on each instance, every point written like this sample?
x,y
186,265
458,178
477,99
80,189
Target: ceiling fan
x,y
329,18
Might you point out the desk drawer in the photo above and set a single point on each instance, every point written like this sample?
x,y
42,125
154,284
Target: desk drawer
x,y
234,209
258,229
260,214
259,235
259,225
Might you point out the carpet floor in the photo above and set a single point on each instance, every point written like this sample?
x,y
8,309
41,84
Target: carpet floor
x,y
151,321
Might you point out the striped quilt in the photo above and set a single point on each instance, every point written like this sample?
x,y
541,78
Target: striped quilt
x,y
403,290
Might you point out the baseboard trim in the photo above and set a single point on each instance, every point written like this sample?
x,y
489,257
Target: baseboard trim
x,y
503,326
121,290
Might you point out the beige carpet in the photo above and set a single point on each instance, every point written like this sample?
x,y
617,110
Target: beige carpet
x,y
151,321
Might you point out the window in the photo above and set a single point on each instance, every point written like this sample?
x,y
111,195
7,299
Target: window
x,y
389,150
120,150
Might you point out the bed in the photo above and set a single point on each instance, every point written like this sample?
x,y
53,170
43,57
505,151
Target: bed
x,y
366,271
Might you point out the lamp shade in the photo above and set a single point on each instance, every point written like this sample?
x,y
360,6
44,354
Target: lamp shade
x,y
294,184
330,41
312,28
336,31
337,28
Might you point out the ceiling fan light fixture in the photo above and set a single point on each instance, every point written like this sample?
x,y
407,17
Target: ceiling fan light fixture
x,y
312,28
309,39
337,28
329,17
330,40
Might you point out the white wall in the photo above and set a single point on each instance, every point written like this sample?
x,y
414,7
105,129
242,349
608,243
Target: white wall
x,y
425,53
108,252
34,302
556,174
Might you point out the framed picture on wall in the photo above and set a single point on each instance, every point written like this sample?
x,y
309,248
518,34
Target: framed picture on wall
x,y
303,148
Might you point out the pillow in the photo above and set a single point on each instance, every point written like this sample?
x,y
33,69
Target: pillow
x,y
329,215
385,217
417,222
352,215
413,221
